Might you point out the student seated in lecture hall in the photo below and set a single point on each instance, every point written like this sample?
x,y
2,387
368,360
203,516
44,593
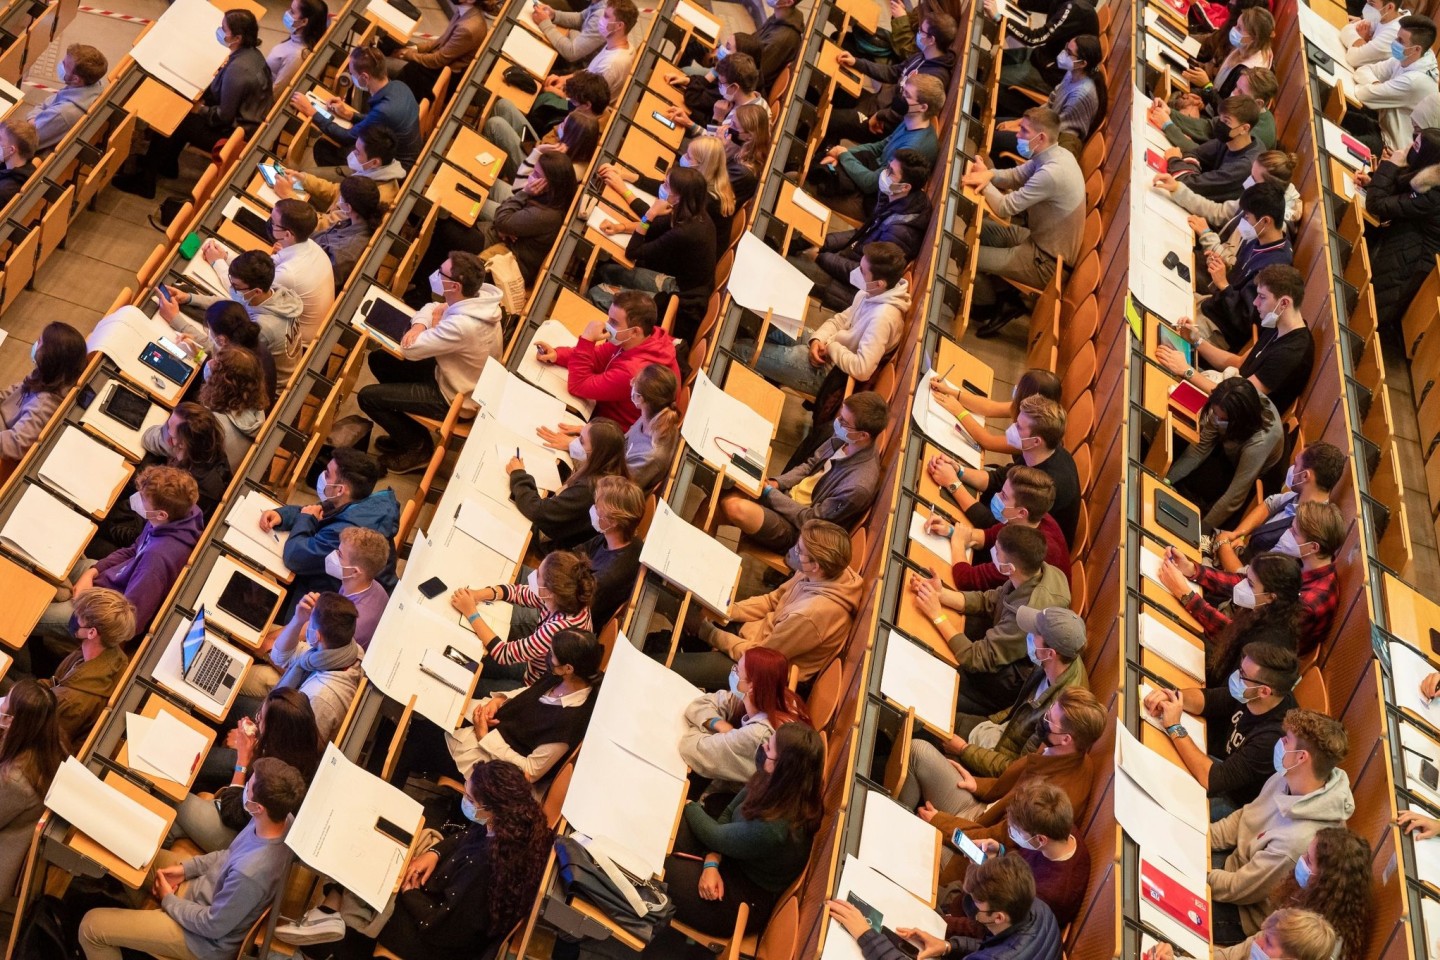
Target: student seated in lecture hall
x,y
758,846
419,63
59,355
1027,494
390,104
577,136
1080,100
31,750
999,898
1035,65
305,24
901,217
1288,933
779,36
361,214
18,144
1039,827
1040,428
1217,224
1244,719
208,903
705,153
1389,89
81,72
284,728
234,391
807,618
372,158
563,592
707,107
575,35
874,115
1245,44
562,520
1241,439
1055,639
1217,168
348,498
507,128
838,483
441,357
457,898
1404,199
650,441
612,62
855,340
1267,527
614,552
969,407
1229,315
1307,793
725,729
145,570
1367,38
530,219
1189,120
1263,603
607,358
271,307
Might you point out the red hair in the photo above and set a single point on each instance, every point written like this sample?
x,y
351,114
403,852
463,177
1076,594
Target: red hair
x,y
769,675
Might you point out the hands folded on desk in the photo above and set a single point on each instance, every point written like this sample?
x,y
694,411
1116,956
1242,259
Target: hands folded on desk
x,y
1165,705
542,12
977,175
942,470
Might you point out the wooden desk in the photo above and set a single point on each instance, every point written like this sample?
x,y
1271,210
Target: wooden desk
x,y
645,155
465,151
910,620
924,557
644,118
927,489
659,83
756,392
1160,597
26,597
864,13
611,245
152,708
1149,486
457,194
575,312
845,77
1167,671
159,106
966,367
1409,614
496,84
111,864
794,216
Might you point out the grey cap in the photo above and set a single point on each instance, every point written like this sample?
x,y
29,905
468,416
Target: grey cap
x,y
1061,628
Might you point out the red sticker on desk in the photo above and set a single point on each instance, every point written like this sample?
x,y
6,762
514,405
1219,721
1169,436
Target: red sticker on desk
x,y
1184,906
1156,161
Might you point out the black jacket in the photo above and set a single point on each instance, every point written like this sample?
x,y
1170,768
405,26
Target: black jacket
x,y
563,519
529,228
779,42
902,222
687,253
890,104
13,181
1403,247
241,94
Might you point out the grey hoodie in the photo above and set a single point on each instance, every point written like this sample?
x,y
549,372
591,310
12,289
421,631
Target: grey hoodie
x,y
726,756
1267,835
460,337
279,320
239,428
860,336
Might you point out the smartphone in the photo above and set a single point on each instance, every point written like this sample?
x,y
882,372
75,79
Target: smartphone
x,y
872,916
164,293
319,106
172,347
432,588
967,846
972,388
907,947
160,360
394,831
252,222
1434,640
1429,775
270,172
666,121
463,659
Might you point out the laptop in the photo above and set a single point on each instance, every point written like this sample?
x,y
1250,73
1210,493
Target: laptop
x,y
248,600
204,665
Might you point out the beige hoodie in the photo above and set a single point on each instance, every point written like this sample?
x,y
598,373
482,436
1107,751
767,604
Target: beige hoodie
x,y
864,333
807,620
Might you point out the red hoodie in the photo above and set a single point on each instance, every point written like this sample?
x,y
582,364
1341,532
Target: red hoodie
x,y
602,372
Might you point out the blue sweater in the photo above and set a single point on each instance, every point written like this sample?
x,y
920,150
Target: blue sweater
x,y
227,892
864,163
392,106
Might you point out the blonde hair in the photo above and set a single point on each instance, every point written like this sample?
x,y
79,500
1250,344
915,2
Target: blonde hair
x,y
369,550
709,154
658,387
754,122
1302,934
109,612
828,546
622,500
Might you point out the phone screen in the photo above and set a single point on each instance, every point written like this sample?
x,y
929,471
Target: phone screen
x,y
669,124
967,846
269,173
872,916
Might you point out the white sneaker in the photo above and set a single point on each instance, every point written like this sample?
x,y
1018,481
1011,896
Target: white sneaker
x,y
316,926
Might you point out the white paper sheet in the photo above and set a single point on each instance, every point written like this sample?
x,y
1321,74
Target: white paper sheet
x,y
635,821
940,425
505,531
1160,639
705,25
334,832
601,214
171,747
912,676
397,21
520,407
181,50
1334,144
46,529
717,425
898,844
641,707
811,206
551,377
243,533
86,471
104,814
1192,723
691,558
540,460
136,727
1415,748
1178,792
936,544
204,275
529,51
764,280
1160,834
1407,669
898,908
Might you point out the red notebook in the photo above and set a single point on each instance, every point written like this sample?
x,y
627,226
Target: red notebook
x,y
1156,161
1188,397
1189,909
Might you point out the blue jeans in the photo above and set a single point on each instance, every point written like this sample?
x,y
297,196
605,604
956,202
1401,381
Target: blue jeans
x,y
505,129
610,278
786,361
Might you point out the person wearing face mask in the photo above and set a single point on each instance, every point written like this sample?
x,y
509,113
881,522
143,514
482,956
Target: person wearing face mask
x,y
807,618
1306,793
778,35
1038,433
855,341
873,115
372,159
508,128
1405,200
348,498
441,357
1394,86
563,519
316,654
1367,38
305,24
612,63
650,441
725,730
1216,223
1039,827
574,35
1218,167
901,217
577,136
1024,500
255,299
460,896
1246,43
838,483
1189,120
1049,190
531,218
1241,439
419,64
705,107
1032,60
82,76
26,407
1243,721
1287,934
391,105
1316,471
209,903
1229,315
239,96
705,154
359,214
614,552
969,408
848,180
18,144
234,391
990,646
146,569
31,751
103,620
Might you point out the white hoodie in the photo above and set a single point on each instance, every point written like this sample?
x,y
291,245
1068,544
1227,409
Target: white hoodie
x,y
1393,90
860,336
460,337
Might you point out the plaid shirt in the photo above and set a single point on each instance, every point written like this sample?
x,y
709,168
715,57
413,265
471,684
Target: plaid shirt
x,y
1319,600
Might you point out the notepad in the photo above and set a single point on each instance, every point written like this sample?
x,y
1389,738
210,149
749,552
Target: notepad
x,y
1158,638
84,470
110,818
718,427
169,746
691,558
1194,725
399,24
898,844
501,529
704,24
936,544
912,676
520,407
551,377
811,206
180,48
243,533
45,529
763,280
529,51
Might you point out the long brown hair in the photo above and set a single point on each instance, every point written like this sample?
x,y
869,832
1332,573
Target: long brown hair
x,y
31,744
236,383
752,122
520,845
290,731
570,578
607,453
793,792
1339,888
658,386
201,441
59,360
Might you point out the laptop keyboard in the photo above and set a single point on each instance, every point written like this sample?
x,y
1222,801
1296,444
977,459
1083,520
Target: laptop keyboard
x,y
212,668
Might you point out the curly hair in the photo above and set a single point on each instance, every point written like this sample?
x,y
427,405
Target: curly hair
x,y
236,382
1280,575
521,840
1339,888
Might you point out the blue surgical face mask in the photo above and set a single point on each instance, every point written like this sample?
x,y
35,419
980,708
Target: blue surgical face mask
x,y
1033,653
1238,689
289,20
467,807
1302,869
664,192
1279,757
1235,37
1397,49
1022,147
220,36
842,433
1256,953
735,682
997,510
721,52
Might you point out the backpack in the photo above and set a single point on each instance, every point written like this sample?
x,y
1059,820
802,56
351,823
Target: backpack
x,y
643,908
52,932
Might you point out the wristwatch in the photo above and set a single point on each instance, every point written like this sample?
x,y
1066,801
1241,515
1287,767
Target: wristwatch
x,y
1176,731
952,487
1189,372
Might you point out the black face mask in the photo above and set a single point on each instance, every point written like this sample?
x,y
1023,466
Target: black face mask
x,y
1045,730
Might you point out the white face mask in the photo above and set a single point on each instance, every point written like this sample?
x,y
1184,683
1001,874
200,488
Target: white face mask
x,y
1249,182
595,519
577,450
328,491
857,279
1243,595
1270,319
1012,435
1246,229
137,504
1064,61
334,568
353,162
1291,480
1370,14
437,284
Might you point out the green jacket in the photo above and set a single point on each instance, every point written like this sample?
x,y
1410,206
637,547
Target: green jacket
x,y
768,852
1022,721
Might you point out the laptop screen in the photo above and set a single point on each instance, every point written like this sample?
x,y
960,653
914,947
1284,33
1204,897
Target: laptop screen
x,y
194,640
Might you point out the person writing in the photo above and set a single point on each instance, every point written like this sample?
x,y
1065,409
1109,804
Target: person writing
x,y
563,520
1024,500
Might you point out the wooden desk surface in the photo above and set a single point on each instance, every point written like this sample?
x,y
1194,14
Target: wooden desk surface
x,y
1167,671
1149,486
575,312
865,13
966,366
26,597
759,394
910,620
158,105
791,213
645,155
457,194
845,77
659,83
122,871
152,708
644,118
1409,614
1160,597
496,84
465,151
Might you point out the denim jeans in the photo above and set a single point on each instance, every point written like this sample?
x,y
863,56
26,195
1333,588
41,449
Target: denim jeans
x,y
405,387
611,278
505,129
786,361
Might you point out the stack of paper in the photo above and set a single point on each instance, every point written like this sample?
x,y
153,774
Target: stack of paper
x,y
934,542
764,280
164,747
551,377
499,526
898,907
519,407
45,529
397,23
86,471
691,558
941,426
1163,808
1160,639
243,532
529,51
914,677
104,814
1407,669
717,425
181,50
897,843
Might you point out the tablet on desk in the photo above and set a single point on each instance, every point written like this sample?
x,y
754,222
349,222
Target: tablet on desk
x,y
248,600
1172,338
1177,517
387,320
126,406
